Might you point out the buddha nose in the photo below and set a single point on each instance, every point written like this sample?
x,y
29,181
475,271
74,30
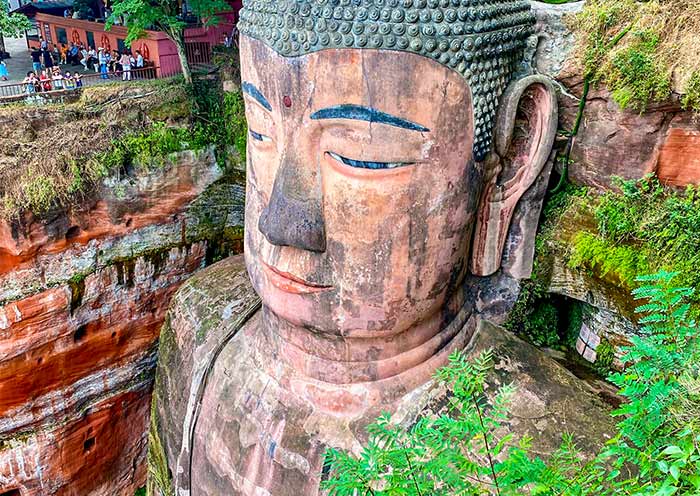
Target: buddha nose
x,y
294,215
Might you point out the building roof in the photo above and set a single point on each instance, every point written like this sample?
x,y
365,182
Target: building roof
x,y
50,7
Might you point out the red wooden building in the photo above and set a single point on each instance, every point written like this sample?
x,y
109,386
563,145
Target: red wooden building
x,y
155,46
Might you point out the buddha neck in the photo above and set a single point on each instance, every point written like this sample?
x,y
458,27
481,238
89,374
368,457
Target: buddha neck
x,y
351,360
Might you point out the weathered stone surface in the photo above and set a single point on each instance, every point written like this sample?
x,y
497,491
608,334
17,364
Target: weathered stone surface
x,y
82,298
549,400
100,452
205,313
133,216
555,41
679,155
610,312
612,142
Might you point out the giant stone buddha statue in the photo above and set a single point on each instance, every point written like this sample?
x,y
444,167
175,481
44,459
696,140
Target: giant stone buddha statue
x,y
396,166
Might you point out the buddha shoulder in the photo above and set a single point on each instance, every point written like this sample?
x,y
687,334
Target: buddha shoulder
x,y
205,314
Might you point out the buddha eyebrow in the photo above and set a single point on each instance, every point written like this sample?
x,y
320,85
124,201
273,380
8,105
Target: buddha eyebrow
x,y
251,90
360,113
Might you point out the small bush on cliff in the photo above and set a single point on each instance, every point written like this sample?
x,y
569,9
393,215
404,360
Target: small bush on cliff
x,y
656,450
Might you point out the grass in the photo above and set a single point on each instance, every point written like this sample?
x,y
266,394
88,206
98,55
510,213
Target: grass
x,y
56,157
642,51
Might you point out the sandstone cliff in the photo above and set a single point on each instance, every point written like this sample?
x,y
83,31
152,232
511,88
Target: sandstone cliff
x,y
84,286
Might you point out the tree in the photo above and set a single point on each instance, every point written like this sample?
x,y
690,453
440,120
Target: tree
x,y
165,15
11,24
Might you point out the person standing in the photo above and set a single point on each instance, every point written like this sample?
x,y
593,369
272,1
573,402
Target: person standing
x,y
125,61
103,59
48,60
57,79
28,83
139,64
64,54
73,58
36,60
43,44
92,62
84,57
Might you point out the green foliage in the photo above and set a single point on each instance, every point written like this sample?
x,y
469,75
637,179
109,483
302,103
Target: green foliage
x,y
147,149
641,229
655,438
542,325
140,492
219,119
598,25
637,48
535,317
605,357
165,16
39,193
635,77
454,453
12,25
691,99
655,451
81,7
606,259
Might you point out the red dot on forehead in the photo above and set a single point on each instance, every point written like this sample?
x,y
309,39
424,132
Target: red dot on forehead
x,y
287,101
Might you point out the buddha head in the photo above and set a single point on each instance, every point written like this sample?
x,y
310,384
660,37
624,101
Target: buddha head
x,y
389,144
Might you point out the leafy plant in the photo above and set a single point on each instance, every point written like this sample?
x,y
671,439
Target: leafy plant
x,y
656,449
641,229
636,78
691,99
542,326
11,24
638,48
605,357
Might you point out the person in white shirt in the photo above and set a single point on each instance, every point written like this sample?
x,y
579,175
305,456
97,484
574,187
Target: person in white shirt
x,y
125,62
84,57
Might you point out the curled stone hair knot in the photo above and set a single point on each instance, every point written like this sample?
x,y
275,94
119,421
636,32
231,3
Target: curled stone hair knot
x,y
483,40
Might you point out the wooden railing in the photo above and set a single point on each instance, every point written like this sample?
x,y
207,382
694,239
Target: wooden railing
x,y
19,91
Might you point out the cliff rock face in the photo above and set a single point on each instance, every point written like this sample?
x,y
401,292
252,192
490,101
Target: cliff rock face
x,y
82,298
613,142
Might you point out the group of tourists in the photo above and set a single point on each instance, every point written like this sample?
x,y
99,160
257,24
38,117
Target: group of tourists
x,y
100,60
50,80
47,75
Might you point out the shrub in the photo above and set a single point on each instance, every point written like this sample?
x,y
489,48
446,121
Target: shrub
x,y
641,229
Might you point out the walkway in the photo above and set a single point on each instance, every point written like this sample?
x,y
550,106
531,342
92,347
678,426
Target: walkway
x,y
21,62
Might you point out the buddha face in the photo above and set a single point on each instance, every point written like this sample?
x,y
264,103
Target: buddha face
x,y
362,188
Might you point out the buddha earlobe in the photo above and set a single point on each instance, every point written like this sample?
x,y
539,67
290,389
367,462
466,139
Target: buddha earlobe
x,y
524,135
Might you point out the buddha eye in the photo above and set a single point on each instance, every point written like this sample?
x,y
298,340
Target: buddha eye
x,y
359,164
258,136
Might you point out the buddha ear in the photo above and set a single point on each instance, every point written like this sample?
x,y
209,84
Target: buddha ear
x,y
524,134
